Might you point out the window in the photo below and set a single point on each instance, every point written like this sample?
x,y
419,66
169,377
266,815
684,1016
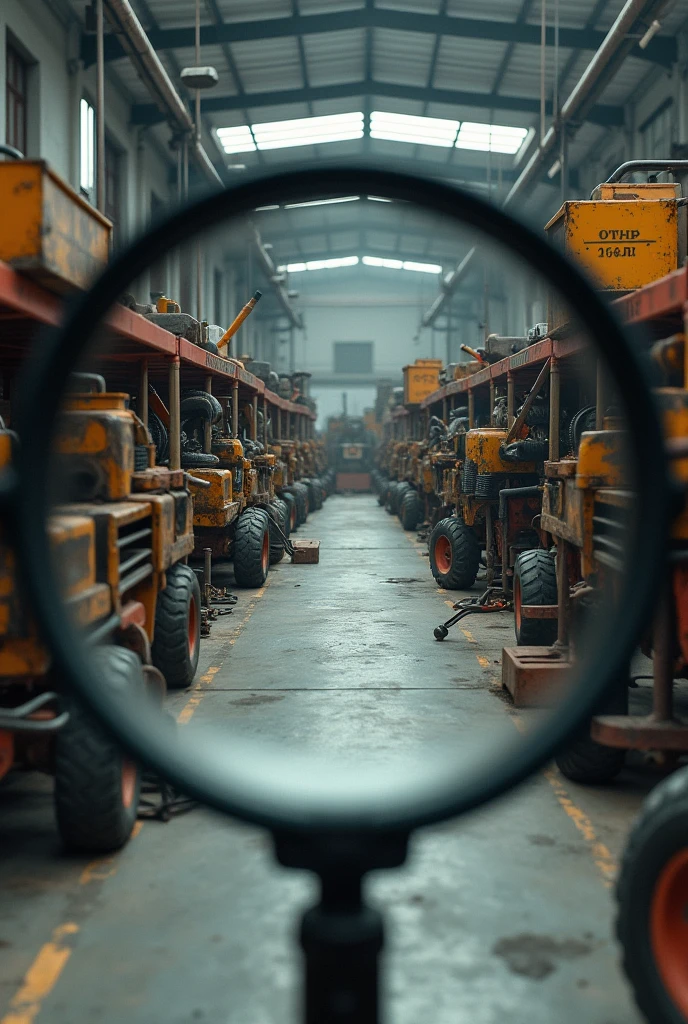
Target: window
x,y
353,357
16,99
87,149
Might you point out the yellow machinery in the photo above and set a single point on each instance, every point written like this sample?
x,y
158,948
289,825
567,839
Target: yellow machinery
x,y
121,536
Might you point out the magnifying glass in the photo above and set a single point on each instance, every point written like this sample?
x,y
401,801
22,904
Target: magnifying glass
x,y
338,810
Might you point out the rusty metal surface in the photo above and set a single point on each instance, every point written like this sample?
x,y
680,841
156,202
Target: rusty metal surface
x,y
535,676
636,733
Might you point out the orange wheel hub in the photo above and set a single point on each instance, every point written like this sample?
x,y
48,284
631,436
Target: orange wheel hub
x,y
443,554
129,775
669,929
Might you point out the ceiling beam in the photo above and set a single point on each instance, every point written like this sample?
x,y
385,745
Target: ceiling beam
x,y
660,50
602,114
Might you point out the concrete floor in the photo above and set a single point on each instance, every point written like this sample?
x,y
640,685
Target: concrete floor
x,y
507,914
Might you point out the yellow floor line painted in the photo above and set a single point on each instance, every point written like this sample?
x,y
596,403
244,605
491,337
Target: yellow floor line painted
x,y
601,855
469,636
483,661
41,976
45,971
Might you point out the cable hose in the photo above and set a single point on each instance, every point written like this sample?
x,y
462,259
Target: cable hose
x,y
288,546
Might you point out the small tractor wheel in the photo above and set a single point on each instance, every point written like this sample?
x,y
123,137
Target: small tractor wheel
x,y
292,511
315,494
177,638
589,762
410,510
276,543
383,491
396,493
97,786
252,548
652,904
535,583
454,554
301,496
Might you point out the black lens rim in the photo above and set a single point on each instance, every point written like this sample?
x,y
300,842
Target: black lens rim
x,y
260,800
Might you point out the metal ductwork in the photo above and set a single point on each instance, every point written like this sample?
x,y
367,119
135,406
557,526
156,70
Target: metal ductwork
x,y
270,271
633,20
133,38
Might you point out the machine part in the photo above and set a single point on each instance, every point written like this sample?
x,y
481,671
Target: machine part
x,y
535,585
454,554
19,719
527,405
487,602
175,647
252,548
140,458
160,437
198,460
201,405
411,510
589,762
302,504
666,166
652,898
238,320
96,786
527,450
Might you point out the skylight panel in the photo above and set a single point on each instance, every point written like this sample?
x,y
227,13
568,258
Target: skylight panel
x,y
411,128
492,138
308,131
237,139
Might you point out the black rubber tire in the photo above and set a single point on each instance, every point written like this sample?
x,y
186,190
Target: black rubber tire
x,y
300,492
411,510
396,493
198,460
276,543
177,638
383,492
315,494
252,548
200,405
658,835
159,437
92,814
280,503
590,763
140,458
535,583
464,551
292,511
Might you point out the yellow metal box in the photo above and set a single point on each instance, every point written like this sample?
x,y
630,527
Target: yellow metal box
x,y
632,190
421,379
483,447
49,231
622,243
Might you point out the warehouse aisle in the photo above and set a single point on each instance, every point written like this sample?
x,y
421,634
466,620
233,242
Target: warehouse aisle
x,y
505,916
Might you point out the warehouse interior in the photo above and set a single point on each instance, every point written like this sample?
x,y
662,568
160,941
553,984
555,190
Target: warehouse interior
x,y
260,511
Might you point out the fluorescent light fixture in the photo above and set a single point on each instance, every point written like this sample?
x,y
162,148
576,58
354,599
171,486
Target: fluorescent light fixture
x,y
391,264
237,139
554,169
273,206
309,131
424,131
321,202
331,264
423,268
379,199
380,261
492,138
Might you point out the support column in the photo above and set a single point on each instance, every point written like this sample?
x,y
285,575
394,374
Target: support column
x,y
563,596
600,398
175,416
254,419
510,402
492,402
208,427
265,421
471,409
235,408
143,391
554,403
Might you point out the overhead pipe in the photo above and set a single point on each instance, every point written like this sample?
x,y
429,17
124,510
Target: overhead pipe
x,y
137,45
270,272
604,64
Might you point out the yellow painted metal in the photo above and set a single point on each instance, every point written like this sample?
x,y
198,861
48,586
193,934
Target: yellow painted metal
x,y
624,244
47,230
214,505
633,190
602,460
674,409
483,447
421,379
